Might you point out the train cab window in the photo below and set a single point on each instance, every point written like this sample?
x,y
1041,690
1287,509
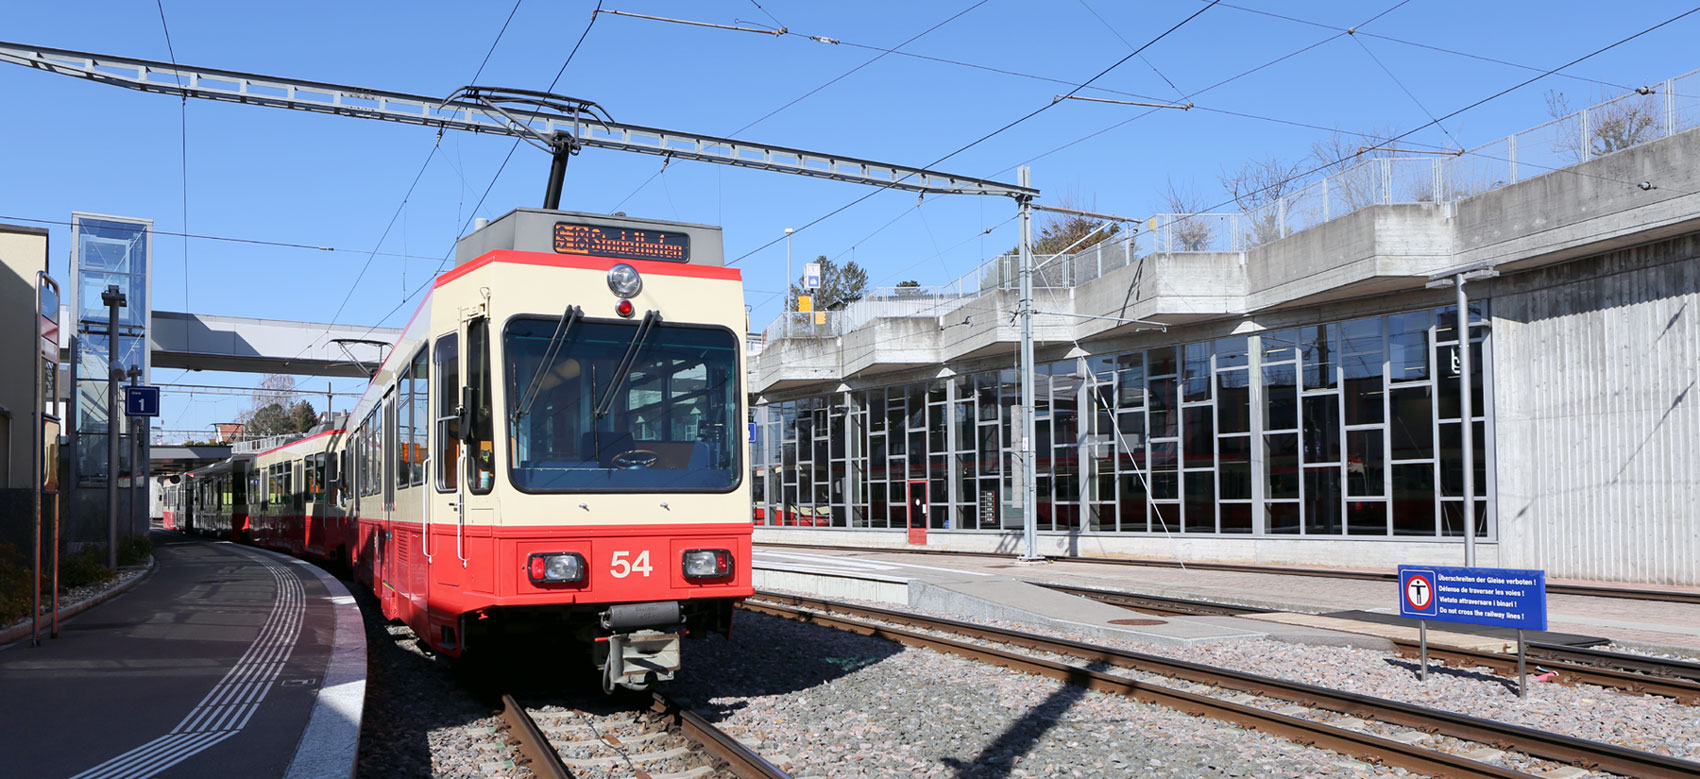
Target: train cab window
x,y
446,355
605,411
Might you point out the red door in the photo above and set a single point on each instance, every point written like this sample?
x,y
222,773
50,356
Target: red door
x,y
918,511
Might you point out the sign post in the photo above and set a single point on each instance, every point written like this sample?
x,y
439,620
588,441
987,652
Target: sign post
x,y
1496,597
44,452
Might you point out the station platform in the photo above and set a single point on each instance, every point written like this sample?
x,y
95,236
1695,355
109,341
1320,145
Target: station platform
x,y
1320,603
986,588
227,661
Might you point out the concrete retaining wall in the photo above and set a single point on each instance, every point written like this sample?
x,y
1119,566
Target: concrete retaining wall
x,y
1598,415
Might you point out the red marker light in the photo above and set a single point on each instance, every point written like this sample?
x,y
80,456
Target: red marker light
x,y
536,564
624,308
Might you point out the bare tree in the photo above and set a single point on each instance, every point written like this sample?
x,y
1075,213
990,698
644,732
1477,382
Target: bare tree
x,y
1613,126
1342,158
1258,187
1185,230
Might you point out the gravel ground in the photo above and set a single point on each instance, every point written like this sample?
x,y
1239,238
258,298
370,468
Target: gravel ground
x,y
1647,723
1690,655
820,702
75,595
420,720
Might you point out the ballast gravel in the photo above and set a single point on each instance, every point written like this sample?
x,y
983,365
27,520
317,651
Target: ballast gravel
x,y
821,703
1648,723
419,721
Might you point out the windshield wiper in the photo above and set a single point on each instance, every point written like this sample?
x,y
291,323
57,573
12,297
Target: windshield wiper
x,y
650,319
568,317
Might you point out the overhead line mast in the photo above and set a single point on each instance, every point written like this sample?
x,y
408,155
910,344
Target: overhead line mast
x,y
562,126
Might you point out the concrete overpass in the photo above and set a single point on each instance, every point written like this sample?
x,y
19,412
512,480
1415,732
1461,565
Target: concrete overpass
x,y
243,344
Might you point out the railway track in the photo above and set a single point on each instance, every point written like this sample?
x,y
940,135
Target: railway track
x,y
1676,679
662,742
1228,695
1553,588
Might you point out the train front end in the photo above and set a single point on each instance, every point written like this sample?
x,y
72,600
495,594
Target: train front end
x,y
596,448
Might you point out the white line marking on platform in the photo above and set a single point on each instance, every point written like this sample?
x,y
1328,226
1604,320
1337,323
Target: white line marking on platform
x,y
880,565
228,706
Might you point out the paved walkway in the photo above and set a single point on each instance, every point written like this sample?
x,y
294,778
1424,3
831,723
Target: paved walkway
x,y
1652,623
214,666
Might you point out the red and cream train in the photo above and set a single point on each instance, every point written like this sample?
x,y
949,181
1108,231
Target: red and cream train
x,y
553,445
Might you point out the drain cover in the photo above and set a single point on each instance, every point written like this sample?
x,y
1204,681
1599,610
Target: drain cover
x,y
1138,621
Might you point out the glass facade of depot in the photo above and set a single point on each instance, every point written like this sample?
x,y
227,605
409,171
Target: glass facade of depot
x,y
1340,429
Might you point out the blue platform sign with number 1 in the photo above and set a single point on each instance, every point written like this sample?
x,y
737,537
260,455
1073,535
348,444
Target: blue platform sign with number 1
x,y
141,401
1497,597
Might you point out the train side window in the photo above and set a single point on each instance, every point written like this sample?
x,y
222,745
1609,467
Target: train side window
x,y
420,416
389,462
403,435
339,472
482,474
446,354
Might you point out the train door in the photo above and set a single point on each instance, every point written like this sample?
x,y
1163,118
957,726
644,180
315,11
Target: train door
x,y
443,464
917,511
394,561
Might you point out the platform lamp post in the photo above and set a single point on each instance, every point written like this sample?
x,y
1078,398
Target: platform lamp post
x,y
138,468
788,276
114,300
1466,396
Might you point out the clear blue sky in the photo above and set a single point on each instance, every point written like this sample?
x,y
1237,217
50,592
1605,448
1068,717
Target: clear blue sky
x,y
257,173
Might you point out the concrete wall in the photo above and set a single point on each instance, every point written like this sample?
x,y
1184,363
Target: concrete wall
x,y
1598,415
23,252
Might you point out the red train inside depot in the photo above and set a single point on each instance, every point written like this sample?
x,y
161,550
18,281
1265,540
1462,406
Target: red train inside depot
x,y
552,447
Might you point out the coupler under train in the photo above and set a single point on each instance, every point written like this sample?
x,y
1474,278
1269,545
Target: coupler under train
x,y
642,645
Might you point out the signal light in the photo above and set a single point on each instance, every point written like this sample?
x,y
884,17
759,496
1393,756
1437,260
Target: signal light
x,y
623,280
555,567
624,308
708,564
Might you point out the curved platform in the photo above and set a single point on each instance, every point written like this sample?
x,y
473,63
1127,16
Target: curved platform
x,y
228,661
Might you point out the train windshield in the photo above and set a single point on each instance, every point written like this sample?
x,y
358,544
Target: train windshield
x,y
669,422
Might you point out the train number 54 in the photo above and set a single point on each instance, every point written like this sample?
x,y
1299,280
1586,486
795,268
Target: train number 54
x,y
624,567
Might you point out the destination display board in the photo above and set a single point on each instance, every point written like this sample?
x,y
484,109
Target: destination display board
x,y
621,243
1496,597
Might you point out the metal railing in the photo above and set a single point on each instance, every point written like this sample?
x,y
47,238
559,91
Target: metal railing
x,y
1623,122
257,445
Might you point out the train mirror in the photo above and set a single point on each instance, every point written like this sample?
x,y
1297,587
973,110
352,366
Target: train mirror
x,y
464,413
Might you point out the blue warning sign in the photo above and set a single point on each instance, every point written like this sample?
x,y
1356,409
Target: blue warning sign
x,y
1496,597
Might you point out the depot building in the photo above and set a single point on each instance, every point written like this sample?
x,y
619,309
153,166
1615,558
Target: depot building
x,y
1285,386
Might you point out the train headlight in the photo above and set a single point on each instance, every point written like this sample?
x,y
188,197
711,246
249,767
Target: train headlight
x,y
708,563
624,280
555,567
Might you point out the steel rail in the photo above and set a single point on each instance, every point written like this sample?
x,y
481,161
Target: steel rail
x,y
1553,659
1631,673
743,760
1372,748
1550,746
1586,590
544,761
